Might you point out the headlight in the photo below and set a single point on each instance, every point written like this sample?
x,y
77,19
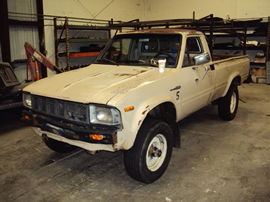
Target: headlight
x,y
27,101
104,115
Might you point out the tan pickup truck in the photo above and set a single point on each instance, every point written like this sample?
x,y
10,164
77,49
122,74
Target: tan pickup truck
x,y
132,97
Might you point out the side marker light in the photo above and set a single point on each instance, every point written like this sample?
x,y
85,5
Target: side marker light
x,y
130,108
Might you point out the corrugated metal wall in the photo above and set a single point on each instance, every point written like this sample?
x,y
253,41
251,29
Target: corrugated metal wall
x,y
21,34
22,6
18,36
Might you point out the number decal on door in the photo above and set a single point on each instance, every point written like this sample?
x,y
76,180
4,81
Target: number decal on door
x,y
177,95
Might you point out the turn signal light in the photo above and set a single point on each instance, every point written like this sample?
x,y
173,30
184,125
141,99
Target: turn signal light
x,y
97,137
26,117
130,108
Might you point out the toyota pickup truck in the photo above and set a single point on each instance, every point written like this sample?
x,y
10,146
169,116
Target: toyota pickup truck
x,y
131,98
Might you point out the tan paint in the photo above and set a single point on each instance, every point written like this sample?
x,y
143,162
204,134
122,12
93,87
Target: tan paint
x,y
139,86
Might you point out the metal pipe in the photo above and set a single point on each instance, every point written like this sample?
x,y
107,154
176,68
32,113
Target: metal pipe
x,y
67,44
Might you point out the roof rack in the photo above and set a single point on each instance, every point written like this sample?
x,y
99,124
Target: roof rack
x,y
208,25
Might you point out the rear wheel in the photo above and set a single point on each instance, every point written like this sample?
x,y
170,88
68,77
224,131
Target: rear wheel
x,y
228,105
150,155
57,146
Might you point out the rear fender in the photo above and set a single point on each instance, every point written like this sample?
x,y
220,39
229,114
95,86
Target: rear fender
x,y
234,79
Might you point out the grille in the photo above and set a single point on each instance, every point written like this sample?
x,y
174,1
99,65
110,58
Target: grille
x,y
60,108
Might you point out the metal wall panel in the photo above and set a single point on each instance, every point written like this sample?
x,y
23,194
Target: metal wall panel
x,y
18,36
20,72
22,6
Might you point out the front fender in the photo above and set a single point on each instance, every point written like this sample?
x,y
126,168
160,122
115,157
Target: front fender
x,y
133,120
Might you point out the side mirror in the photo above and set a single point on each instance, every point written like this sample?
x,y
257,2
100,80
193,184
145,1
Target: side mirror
x,y
202,58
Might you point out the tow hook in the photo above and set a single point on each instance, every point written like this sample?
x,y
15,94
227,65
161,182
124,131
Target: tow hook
x,y
155,152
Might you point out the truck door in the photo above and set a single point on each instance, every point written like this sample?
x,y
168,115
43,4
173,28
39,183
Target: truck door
x,y
197,77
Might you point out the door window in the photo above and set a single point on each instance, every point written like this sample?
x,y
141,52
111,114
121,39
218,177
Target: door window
x,y
193,48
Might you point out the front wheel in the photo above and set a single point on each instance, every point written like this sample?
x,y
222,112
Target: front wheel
x,y
228,105
150,155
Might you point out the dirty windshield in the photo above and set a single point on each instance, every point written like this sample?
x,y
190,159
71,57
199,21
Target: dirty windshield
x,y
142,49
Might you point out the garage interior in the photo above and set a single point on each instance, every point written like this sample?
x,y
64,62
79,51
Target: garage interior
x,y
217,161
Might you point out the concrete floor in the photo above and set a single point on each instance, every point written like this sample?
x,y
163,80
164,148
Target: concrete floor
x,y
218,161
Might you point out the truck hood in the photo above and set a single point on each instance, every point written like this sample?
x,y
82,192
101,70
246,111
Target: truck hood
x,y
95,83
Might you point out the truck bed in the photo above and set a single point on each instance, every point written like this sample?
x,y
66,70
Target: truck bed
x,y
216,57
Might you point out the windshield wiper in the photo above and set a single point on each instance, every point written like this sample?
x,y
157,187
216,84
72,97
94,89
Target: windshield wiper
x,y
108,60
135,61
141,61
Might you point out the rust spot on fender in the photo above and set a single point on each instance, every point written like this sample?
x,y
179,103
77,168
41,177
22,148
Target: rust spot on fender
x,y
114,138
124,74
127,75
142,71
35,123
96,74
144,112
139,122
67,85
131,75
146,109
114,141
124,148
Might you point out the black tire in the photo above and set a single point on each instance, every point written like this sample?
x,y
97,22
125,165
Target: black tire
x,y
228,105
57,146
146,163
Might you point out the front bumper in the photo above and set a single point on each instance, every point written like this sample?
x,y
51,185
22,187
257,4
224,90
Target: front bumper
x,y
70,130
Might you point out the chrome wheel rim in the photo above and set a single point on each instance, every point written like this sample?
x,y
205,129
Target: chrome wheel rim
x,y
156,152
233,102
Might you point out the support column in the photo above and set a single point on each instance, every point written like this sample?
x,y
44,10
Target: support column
x,y
4,36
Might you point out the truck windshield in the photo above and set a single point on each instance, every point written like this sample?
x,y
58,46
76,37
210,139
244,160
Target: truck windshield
x,y
141,49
